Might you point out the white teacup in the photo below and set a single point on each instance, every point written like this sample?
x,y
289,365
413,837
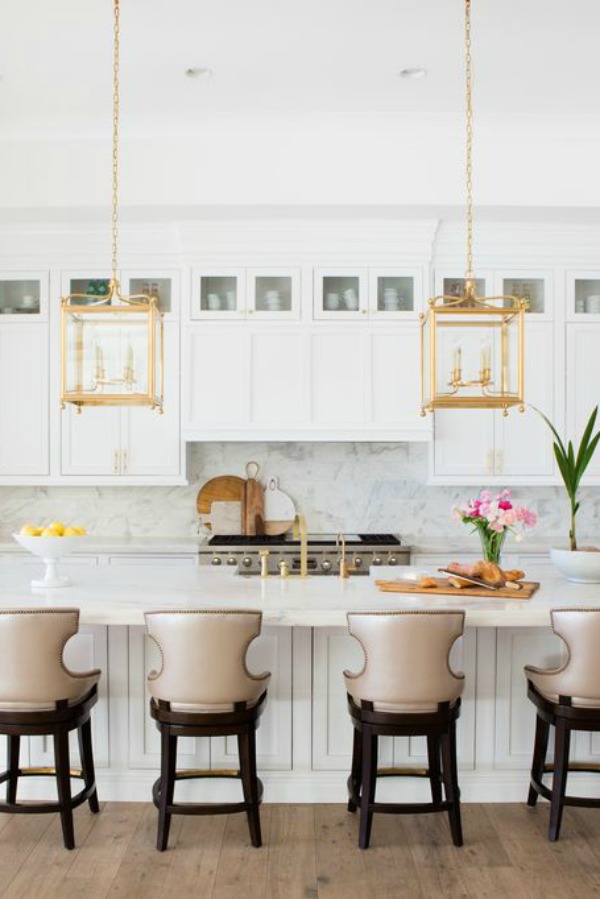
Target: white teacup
x,y
592,304
27,301
230,299
213,301
350,298
332,301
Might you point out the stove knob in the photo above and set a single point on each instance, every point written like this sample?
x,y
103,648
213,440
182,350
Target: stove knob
x,y
326,565
232,560
393,560
357,561
216,560
377,560
247,562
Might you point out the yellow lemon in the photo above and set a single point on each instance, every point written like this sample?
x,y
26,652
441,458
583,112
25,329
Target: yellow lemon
x,y
79,530
50,532
30,530
71,532
57,526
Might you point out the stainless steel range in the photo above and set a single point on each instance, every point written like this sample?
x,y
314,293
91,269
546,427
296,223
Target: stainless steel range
x,y
324,552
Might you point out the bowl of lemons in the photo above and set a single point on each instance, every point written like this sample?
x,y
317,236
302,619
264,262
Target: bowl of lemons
x,y
52,543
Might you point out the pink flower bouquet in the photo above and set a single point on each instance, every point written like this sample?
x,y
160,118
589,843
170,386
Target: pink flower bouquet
x,y
493,517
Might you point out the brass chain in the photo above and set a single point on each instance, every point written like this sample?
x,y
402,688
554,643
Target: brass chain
x,y
469,140
115,145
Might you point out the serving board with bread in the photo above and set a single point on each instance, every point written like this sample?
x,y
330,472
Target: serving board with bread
x,y
483,578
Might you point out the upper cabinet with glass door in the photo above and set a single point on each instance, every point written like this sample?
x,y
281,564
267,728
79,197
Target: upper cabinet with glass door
x,y
218,292
395,293
583,296
273,293
89,286
23,295
163,285
340,293
533,286
454,285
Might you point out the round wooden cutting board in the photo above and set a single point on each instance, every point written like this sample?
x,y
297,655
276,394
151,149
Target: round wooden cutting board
x,y
226,488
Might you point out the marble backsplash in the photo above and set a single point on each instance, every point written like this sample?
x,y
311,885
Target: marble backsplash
x,y
377,487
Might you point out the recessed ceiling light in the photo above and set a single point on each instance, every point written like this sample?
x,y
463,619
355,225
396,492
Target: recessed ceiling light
x,y
199,72
413,73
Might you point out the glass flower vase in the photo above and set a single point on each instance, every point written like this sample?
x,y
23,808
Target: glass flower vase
x,y
491,544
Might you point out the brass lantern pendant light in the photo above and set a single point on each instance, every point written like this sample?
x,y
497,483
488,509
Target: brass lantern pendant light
x,y
112,347
472,347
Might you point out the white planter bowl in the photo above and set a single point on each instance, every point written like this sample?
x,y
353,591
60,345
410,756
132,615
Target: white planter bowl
x,y
579,566
50,549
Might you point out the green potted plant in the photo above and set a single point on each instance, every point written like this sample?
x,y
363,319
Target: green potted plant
x,y
580,564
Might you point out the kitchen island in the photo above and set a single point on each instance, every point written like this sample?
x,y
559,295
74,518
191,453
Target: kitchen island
x,y
304,740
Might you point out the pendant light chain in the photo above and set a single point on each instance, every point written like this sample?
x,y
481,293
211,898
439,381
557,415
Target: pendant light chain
x,y
469,141
115,145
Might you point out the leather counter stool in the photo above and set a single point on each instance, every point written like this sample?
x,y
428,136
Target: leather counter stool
x,y
205,690
568,698
39,696
406,688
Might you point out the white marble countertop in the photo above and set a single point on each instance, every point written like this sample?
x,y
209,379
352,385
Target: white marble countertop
x,y
117,595
121,544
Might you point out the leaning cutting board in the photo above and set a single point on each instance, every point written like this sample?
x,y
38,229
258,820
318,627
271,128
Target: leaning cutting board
x,y
527,590
226,488
280,510
253,503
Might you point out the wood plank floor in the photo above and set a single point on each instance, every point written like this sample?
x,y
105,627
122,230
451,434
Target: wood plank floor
x,y
309,851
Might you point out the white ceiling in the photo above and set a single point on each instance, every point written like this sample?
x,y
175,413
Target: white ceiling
x,y
530,57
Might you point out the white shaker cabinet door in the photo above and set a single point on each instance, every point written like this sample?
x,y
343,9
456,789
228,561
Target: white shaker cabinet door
x,y
464,444
523,439
395,386
583,384
150,442
278,365
24,448
90,441
338,379
215,382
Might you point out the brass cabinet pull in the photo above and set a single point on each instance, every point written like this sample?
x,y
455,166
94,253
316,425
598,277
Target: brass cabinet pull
x,y
116,462
125,462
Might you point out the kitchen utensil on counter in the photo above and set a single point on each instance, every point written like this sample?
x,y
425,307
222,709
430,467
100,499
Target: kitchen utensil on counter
x,y
226,488
442,587
279,509
253,503
226,517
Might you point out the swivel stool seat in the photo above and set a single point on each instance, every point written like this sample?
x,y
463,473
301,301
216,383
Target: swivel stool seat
x,y
406,688
39,696
567,698
204,689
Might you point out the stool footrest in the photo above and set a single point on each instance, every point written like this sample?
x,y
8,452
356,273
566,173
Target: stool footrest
x,y
206,808
577,801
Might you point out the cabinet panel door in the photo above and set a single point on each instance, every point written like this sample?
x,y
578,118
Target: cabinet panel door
x,y
90,441
338,378
583,378
24,400
395,397
523,440
215,382
278,375
150,442
464,442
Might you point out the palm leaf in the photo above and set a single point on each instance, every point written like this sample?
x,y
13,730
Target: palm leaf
x,y
585,438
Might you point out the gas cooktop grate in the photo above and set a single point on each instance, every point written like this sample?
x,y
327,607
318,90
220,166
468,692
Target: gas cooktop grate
x,y
313,540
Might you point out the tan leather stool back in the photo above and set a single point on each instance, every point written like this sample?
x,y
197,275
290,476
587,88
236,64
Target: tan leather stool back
x,y
32,671
579,677
204,657
406,658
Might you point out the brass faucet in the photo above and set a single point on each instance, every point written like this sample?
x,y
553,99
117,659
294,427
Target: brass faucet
x,y
299,532
344,570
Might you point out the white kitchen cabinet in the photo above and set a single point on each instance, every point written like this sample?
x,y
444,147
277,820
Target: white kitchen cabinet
x,y
24,296
24,400
394,389
164,285
215,381
218,292
583,296
340,293
127,442
395,293
338,382
273,293
279,369
583,385
480,445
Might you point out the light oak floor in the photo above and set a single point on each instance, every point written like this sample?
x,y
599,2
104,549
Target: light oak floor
x,y
309,851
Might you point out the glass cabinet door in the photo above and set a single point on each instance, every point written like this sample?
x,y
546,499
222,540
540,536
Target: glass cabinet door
x,y
218,293
340,293
274,294
24,294
92,288
162,285
395,293
583,296
453,286
535,287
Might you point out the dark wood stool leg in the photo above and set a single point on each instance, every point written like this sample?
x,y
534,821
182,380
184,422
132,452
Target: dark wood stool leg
x,y
369,779
13,742
168,767
356,769
84,735
540,750
450,774
247,753
63,784
435,773
562,742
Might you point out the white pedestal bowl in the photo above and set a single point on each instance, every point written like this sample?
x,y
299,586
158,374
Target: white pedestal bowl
x,y
50,550
579,566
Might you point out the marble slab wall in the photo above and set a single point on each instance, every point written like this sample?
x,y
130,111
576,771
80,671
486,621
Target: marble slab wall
x,y
376,487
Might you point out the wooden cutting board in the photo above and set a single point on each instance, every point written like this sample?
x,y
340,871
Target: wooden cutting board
x,y
253,503
226,488
443,587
